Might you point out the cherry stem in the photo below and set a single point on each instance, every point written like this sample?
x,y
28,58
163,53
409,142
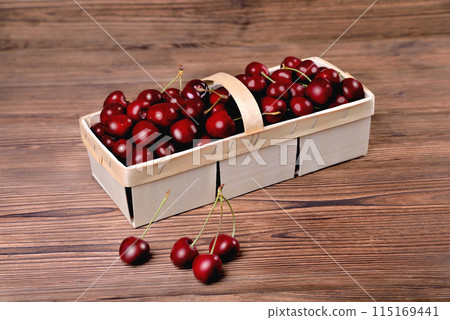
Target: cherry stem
x,y
232,213
272,113
220,224
157,211
267,77
180,69
240,118
180,73
292,69
219,194
210,108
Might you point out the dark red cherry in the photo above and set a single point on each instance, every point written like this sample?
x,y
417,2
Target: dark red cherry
x,y
144,133
204,139
337,101
243,78
134,251
330,75
301,106
182,254
319,91
98,129
221,94
226,247
193,108
195,89
162,115
111,110
108,141
309,68
207,268
278,91
168,94
272,105
256,84
291,62
164,149
140,155
352,89
256,68
152,96
297,90
115,97
220,125
137,110
282,76
183,131
118,125
177,101
121,148
219,107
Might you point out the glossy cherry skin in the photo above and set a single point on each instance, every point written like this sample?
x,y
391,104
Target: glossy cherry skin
x,y
204,139
111,110
297,90
137,110
256,68
221,94
140,155
337,101
220,125
108,141
243,78
301,106
118,125
282,76
121,149
291,62
352,89
272,105
207,268
226,247
115,97
144,133
182,254
330,75
256,84
177,101
278,91
319,91
164,149
193,108
183,131
307,67
98,129
152,96
169,93
191,90
162,115
134,251
219,107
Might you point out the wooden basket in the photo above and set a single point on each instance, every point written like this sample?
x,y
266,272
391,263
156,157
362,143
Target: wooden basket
x,y
259,157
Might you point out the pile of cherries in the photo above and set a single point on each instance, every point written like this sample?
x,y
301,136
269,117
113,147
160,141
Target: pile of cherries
x,y
160,123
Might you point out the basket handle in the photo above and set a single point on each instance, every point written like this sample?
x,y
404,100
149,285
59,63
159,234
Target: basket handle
x,y
251,115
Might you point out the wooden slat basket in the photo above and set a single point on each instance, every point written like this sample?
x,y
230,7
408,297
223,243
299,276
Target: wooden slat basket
x,y
259,157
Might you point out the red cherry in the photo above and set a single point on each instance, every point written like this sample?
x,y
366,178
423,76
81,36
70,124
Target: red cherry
x,y
191,90
193,108
291,62
282,76
221,94
120,149
301,106
319,91
108,141
164,149
204,139
307,67
255,69
176,101
207,267
162,115
140,155
220,125
256,84
152,96
352,89
144,133
137,110
330,75
243,78
272,105
278,91
183,131
111,110
134,251
98,129
115,97
169,93
226,247
182,254
337,101
219,107
118,125
297,90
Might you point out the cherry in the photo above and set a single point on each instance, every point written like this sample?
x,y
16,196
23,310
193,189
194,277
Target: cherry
x,y
319,91
118,125
291,62
144,133
278,91
193,108
168,94
183,131
164,149
308,68
183,254
120,149
204,139
352,89
272,109
108,141
195,89
297,90
115,97
243,78
219,95
134,251
140,155
330,75
256,68
177,101
137,110
220,125
162,115
301,106
110,110
282,76
152,96
98,129
207,268
226,247
256,84
219,107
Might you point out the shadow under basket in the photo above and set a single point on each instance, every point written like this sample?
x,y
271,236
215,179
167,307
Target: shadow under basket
x,y
259,157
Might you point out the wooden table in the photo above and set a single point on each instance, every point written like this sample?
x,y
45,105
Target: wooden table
x,y
384,218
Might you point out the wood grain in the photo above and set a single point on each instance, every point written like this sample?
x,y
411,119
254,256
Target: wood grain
x,y
384,217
